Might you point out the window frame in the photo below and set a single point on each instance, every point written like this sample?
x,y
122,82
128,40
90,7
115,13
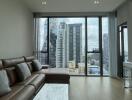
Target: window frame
x,y
86,38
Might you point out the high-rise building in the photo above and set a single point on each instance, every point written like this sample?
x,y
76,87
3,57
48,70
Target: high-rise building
x,y
42,40
61,46
106,50
68,44
64,45
74,38
105,47
53,36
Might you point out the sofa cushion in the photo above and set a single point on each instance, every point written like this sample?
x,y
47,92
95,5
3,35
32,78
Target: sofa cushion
x,y
4,83
36,65
14,90
29,58
28,80
23,71
12,61
26,93
38,81
11,72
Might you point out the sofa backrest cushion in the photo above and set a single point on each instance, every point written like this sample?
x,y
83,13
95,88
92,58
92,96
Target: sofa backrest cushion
x,y
36,65
29,58
1,65
12,61
23,71
12,75
4,83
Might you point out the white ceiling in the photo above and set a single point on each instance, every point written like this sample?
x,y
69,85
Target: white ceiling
x,y
73,5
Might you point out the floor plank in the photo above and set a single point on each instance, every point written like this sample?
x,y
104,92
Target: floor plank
x,y
98,88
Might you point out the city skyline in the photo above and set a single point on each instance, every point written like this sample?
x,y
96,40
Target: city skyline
x,y
92,22
57,57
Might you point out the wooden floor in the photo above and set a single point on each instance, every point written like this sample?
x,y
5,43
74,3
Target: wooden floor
x,y
97,88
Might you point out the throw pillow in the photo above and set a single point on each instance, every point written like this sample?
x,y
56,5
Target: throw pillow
x,y
4,83
36,65
23,71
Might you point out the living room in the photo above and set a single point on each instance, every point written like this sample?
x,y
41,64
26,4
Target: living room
x,y
65,49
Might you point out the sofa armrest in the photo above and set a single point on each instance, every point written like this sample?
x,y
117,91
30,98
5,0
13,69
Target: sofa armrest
x,y
45,66
57,78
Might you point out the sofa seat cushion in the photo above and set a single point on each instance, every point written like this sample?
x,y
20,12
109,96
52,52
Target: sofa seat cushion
x,y
4,83
14,90
38,81
26,93
28,80
23,71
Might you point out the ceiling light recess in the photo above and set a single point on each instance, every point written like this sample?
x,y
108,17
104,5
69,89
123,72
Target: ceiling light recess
x,y
44,2
96,2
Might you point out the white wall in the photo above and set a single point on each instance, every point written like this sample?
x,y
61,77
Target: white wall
x,y
16,29
113,44
124,13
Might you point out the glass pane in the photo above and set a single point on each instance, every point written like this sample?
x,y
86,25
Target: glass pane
x,y
67,44
93,34
125,44
105,45
119,28
93,63
41,44
42,33
120,33
43,58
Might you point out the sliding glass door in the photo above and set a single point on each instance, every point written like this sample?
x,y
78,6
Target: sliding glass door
x,y
79,44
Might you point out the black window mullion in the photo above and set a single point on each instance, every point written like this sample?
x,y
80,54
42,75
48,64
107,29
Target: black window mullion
x,y
93,51
100,46
43,51
37,40
48,40
86,32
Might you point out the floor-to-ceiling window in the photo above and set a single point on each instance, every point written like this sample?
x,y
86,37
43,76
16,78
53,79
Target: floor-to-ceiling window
x,y
61,43
105,45
42,40
67,44
93,51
